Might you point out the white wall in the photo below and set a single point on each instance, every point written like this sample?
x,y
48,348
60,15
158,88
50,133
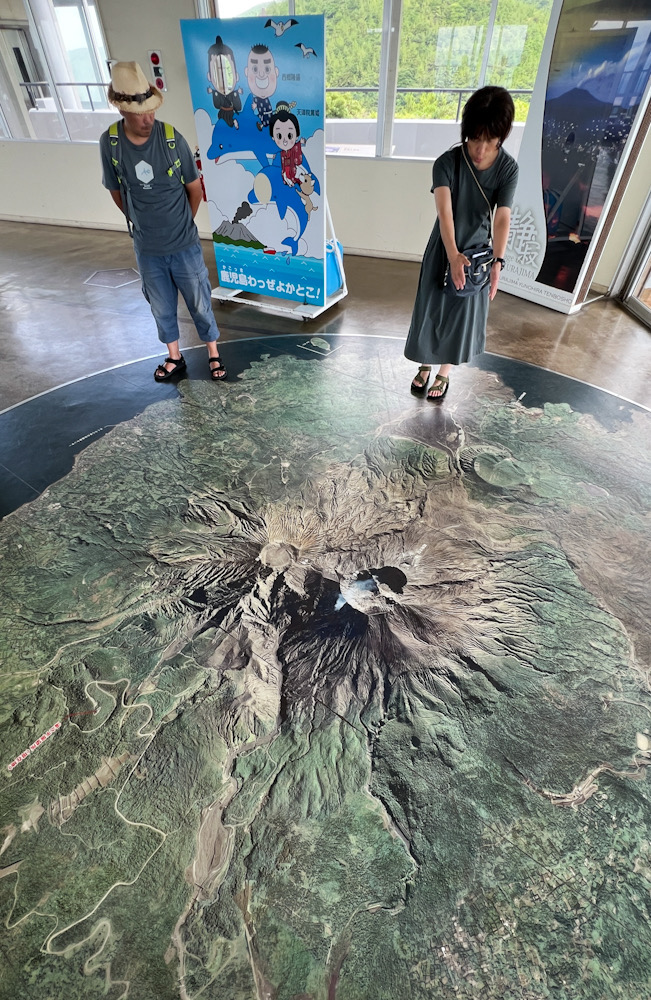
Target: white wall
x,y
12,10
379,207
134,28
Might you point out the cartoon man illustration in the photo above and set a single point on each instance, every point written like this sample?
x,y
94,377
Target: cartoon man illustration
x,y
261,75
285,132
223,77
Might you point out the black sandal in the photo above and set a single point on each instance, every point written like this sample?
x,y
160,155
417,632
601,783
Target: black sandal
x,y
219,372
162,375
436,384
423,377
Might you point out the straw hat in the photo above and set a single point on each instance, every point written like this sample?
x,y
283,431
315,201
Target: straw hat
x,y
130,90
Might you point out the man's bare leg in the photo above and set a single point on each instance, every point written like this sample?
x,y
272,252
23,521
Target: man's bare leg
x,y
217,370
173,353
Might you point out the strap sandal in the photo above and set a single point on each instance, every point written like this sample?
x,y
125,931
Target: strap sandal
x,y
219,371
162,374
438,383
420,381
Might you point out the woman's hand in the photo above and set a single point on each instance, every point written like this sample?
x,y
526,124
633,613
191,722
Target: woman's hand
x,y
496,270
457,273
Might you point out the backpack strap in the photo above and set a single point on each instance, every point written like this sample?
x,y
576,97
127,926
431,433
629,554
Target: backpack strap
x,y
114,149
175,163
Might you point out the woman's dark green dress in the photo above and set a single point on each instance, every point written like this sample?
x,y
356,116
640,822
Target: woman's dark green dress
x,y
447,330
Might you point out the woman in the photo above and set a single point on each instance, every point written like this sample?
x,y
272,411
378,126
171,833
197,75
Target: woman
x,y
446,330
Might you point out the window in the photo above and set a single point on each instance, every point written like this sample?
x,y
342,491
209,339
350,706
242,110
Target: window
x,y
85,55
397,71
53,71
353,55
448,50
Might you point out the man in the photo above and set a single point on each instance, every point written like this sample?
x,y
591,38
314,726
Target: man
x,y
151,176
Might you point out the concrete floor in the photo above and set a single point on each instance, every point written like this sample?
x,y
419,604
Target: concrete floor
x,y
57,325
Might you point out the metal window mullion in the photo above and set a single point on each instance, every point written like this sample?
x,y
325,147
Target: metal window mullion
x,y
391,19
487,44
48,70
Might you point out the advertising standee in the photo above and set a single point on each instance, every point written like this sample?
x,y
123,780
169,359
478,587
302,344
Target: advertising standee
x,y
258,92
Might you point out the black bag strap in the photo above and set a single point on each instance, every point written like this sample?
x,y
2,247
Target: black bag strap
x,y
455,183
458,152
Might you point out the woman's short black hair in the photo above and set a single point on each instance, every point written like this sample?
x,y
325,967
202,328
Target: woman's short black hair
x,y
489,112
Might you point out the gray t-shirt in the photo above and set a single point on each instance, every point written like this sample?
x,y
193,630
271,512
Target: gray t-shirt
x,y
158,205
498,182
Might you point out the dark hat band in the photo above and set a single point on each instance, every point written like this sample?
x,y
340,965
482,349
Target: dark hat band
x,y
134,98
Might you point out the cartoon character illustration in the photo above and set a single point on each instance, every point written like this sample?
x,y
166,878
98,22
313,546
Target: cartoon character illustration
x,y
271,188
306,188
223,77
285,132
261,75
280,27
247,138
305,49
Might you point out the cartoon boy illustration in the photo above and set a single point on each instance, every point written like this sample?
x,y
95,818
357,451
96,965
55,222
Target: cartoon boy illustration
x,y
261,75
223,77
285,132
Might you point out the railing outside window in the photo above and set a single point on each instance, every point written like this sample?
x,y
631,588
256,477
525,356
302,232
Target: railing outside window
x,y
39,91
457,93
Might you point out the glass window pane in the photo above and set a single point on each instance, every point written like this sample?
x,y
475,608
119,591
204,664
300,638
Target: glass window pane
x,y
78,58
449,50
59,70
353,50
98,42
25,90
515,49
441,49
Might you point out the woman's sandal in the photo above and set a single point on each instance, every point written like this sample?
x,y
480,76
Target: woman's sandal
x,y
440,380
422,378
162,375
219,372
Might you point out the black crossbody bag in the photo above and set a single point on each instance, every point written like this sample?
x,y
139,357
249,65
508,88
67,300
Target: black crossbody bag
x,y
478,272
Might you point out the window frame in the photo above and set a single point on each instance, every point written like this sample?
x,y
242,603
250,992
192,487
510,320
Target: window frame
x,y
388,73
34,14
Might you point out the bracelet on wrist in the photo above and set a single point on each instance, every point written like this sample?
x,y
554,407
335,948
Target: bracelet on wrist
x,y
500,261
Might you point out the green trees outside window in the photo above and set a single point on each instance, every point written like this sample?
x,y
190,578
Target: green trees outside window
x,y
444,47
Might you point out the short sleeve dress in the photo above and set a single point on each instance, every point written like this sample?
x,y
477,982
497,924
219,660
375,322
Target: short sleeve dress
x,y
444,329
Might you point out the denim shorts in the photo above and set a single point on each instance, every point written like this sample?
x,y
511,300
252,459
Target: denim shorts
x,y
164,277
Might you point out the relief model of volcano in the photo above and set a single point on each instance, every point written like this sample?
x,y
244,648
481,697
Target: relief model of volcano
x,y
370,700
